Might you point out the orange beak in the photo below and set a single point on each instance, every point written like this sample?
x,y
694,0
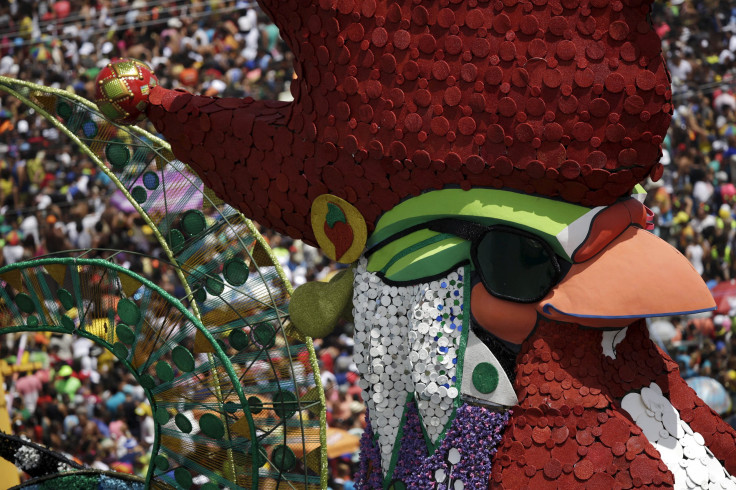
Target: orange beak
x,y
637,275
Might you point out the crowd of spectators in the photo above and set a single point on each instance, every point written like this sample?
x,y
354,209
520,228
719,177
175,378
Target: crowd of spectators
x,y
53,199
695,200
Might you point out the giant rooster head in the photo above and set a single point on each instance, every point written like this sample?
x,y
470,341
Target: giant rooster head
x,y
478,159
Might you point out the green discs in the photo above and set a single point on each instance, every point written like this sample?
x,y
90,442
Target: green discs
x,y
183,358
125,333
25,303
183,477
139,194
265,335
120,350
164,371
212,426
128,312
64,109
238,339
193,222
214,286
183,423
161,463
485,377
67,322
65,298
117,154
199,295
285,404
255,405
147,381
162,416
176,240
236,271
283,458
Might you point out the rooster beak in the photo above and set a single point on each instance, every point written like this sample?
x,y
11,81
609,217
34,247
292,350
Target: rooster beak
x,y
637,275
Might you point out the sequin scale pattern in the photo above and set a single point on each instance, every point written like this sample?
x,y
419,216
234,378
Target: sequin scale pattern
x,y
407,341
683,451
570,429
562,98
463,459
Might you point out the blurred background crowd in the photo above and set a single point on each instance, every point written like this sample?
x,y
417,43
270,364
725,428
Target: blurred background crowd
x,y
53,199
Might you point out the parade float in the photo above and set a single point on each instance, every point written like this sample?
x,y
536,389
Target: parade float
x,y
475,164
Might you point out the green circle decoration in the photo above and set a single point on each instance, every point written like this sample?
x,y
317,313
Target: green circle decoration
x,y
236,271
128,312
176,240
64,109
285,404
485,377
162,416
150,180
125,333
283,458
117,154
199,295
67,322
183,359
238,339
120,350
183,477
212,426
147,381
32,321
183,423
139,194
164,371
193,222
231,407
162,464
265,335
25,303
255,405
261,458
65,298
214,286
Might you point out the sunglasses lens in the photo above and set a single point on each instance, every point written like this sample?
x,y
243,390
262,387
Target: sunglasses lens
x,y
514,266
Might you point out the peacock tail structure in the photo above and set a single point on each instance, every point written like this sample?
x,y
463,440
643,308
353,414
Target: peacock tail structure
x,y
234,390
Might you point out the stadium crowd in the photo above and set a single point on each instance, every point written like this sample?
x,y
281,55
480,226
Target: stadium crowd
x,y
53,199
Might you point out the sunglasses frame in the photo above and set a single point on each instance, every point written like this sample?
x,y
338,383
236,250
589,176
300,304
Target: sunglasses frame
x,y
476,232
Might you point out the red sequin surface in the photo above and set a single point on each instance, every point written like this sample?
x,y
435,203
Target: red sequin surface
x,y
569,430
563,98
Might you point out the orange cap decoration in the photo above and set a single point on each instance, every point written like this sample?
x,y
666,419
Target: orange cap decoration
x,y
565,99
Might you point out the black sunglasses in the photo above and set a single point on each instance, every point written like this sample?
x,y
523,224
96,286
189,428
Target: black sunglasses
x,y
513,264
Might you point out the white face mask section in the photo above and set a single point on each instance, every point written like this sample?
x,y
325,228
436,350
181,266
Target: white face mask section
x,y
407,341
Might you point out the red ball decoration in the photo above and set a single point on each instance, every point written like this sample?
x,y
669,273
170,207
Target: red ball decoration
x,y
122,89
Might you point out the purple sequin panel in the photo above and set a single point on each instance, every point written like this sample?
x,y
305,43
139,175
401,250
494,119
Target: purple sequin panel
x,y
464,455
413,450
369,475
